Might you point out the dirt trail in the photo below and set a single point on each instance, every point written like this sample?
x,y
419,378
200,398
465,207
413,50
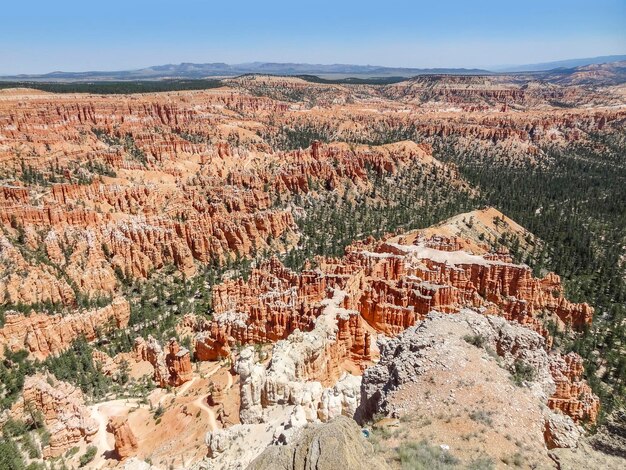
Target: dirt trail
x,y
200,403
184,387
230,381
102,411
100,441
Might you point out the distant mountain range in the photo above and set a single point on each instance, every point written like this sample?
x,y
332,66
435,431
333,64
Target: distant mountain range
x,y
334,71
562,64
218,69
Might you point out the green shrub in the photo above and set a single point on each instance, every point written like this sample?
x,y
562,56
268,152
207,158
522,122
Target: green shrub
x,y
88,456
14,427
518,459
71,452
477,340
10,456
45,438
481,416
522,372
481,463
36,466
30,447
159,411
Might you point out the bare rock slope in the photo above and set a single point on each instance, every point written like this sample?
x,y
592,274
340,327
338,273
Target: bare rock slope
x,y
477,386
338,444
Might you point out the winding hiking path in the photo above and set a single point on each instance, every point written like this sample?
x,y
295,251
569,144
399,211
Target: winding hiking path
x,y
201,403
101,413
101,441
103,410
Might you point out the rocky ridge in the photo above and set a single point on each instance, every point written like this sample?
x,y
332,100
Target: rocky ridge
x,y
325,320
383,287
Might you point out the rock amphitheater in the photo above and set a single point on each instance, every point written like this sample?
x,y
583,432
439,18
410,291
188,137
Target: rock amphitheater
x,y
101,194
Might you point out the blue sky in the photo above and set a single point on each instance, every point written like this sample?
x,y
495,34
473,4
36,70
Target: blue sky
x,y
42,36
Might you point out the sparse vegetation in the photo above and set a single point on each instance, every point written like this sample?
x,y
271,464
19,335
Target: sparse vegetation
x,y
76,366
390,205
14,367
423,456
578,211
482,416
88,456
10,455
158,412
517,460
481,463
476,340
522,372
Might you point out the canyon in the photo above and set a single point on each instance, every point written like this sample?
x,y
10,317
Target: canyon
x,y
100,188
165,232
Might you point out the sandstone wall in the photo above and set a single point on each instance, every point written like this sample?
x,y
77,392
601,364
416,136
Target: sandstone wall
x,y
43,335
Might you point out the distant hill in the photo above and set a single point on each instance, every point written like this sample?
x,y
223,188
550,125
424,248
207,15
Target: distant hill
x,y
612,73
218,69
565,64
598,70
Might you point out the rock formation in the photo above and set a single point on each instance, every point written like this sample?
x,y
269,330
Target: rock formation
x,y
63,410
561,432
100,191
170,369
125,440
573,396
42,334
337,444
405,358
178,362
104,362
325,317
302,366
139,183
388,286
278,385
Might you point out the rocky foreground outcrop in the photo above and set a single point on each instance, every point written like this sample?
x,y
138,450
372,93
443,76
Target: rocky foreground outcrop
x,y
405,358
337,444
62,409
452,374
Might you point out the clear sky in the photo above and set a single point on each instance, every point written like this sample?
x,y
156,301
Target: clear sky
x,y
45,35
